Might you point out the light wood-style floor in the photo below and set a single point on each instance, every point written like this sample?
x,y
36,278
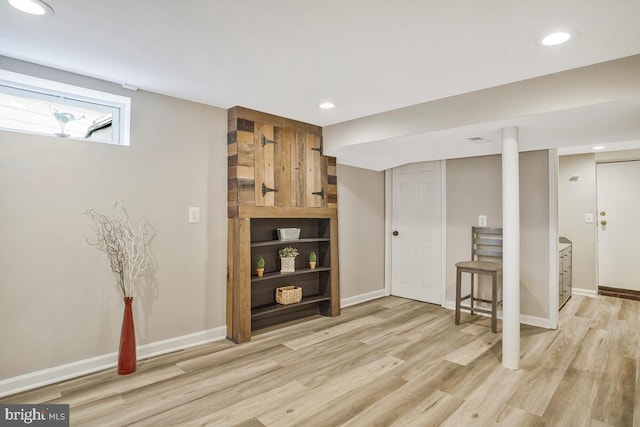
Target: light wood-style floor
x,y
387,362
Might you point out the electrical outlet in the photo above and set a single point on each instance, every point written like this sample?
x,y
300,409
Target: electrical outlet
x,y
482,220
588,218
194,215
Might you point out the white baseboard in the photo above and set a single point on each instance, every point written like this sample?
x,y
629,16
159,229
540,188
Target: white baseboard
x,y
83,367
584,292
346,302
540,322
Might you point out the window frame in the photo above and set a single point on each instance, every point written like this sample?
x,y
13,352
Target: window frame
x,y
39,88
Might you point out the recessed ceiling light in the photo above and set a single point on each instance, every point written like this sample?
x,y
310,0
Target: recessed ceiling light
x,y
556,38
599,147
327,105
32,7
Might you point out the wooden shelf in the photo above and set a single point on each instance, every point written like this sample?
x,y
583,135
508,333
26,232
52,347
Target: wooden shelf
x,y
268,276
286,242
251,301
275,308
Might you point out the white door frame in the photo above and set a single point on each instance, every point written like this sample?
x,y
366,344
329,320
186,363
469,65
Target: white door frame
x,y
554,235
388,210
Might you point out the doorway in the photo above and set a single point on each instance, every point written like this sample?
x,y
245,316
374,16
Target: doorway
x,y
618,186
417,232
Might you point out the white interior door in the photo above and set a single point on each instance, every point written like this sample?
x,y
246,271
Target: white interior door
x,y
416,246
618,187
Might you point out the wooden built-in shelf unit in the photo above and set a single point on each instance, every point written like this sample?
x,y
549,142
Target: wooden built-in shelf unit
x,y
278,178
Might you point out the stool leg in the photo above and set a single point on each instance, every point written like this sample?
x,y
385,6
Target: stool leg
x,y
473,279
458,294
494,302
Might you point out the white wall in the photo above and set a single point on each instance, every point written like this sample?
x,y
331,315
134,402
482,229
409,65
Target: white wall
x,y
59,302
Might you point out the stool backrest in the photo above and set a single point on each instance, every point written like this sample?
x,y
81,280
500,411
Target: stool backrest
x,y
486,242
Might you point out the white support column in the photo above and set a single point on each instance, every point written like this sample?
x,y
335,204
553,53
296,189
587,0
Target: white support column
x,y
511,249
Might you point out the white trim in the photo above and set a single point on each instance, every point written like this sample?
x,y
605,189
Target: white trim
x,y
450,305
540,322
554,302
443,231
388,210
78,368
123,103
358,299
584,292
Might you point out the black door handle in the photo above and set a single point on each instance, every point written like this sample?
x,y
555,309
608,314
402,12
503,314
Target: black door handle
x,y
395,233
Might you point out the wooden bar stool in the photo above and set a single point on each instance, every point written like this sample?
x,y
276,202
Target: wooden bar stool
x,y
485,242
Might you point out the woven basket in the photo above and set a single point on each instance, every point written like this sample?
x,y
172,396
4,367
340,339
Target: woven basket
x,y
288,295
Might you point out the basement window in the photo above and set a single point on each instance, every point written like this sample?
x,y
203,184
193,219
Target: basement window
x,y
44,107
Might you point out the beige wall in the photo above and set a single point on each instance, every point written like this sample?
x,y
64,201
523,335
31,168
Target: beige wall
x,y
59,303
474,187
576,198
361,230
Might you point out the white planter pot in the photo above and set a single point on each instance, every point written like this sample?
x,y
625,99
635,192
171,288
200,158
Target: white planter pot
x,y
287,265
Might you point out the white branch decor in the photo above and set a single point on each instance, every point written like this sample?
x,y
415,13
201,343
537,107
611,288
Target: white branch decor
x,y
124,244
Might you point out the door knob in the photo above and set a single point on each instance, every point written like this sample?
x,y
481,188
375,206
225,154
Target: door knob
x,y
603,222
395,233
602,213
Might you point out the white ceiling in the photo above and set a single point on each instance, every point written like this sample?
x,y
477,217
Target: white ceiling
x,y
614,125
286,56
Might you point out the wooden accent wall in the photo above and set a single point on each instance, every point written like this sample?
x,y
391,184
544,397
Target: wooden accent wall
x,y
283,155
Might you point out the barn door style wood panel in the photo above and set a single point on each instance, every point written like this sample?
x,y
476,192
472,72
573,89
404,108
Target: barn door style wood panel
x,y
315,192
278,178
282,167
276,162
264,165
298,170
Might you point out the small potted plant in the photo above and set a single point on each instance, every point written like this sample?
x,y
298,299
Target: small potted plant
x,y
287,259
312,260
259,266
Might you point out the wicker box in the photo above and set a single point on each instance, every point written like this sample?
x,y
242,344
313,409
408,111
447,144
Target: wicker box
x,y
288,295
285,234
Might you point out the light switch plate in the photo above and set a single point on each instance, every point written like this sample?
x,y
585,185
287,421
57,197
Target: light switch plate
x,y
194,215
588,218
482,220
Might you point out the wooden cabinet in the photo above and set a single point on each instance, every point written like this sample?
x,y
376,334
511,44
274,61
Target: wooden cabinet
x,y
278,178
565,278
276,162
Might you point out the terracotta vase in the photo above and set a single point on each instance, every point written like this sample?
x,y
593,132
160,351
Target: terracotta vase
x,y
259,271
127,356
312,265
